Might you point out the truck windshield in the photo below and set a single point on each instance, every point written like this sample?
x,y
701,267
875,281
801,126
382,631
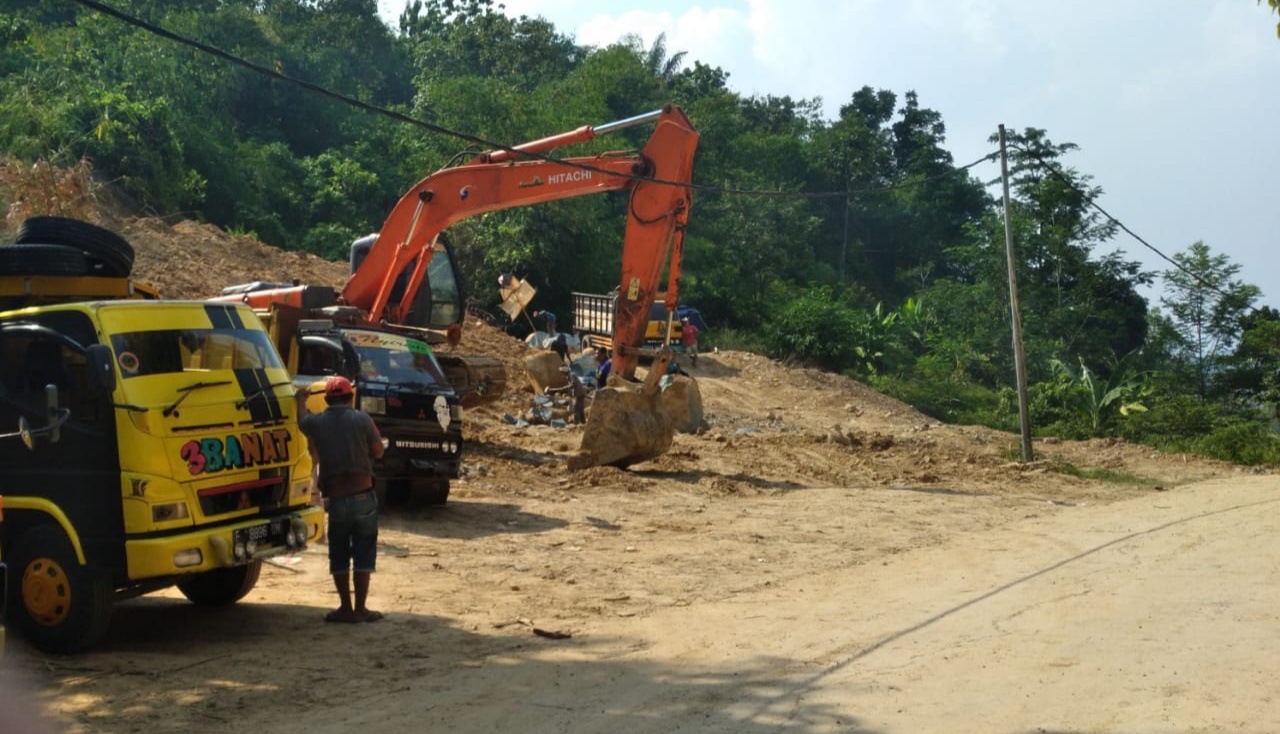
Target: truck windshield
x,y
167,351
396,359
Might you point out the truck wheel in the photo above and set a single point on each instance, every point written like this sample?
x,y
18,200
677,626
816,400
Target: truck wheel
x,y
102,245
221,586
60,605
433,492
43,260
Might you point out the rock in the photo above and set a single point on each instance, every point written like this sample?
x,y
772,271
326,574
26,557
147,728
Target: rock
x,y
625,426
683,401
543,369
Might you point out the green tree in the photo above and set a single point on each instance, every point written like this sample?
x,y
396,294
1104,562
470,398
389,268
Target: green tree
x,y
1253,373
1206,302
1275,8
657,61
907,201
1075,304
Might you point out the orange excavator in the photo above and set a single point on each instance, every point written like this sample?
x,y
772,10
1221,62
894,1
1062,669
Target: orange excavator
x,y
657,177
627,423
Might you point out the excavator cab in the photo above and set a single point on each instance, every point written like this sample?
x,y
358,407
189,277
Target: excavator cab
x,y
440,302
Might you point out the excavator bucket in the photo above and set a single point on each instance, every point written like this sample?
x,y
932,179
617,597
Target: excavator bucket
x,y
628,423
476,378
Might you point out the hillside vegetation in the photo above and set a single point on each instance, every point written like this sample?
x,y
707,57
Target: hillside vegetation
x,y
887,264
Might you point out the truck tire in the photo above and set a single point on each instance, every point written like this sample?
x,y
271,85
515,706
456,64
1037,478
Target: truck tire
x,y
58,604
110,250
221,586
43,260
431,492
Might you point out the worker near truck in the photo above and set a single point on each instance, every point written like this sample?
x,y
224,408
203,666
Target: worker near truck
x,y
345,442
689,338
606,367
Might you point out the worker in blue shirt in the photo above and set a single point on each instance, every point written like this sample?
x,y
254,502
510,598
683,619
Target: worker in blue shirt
x,y
549,319
606,366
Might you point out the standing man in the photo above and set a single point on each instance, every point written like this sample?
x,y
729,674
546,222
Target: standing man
x,y
560,345
606,366
345,442
689,338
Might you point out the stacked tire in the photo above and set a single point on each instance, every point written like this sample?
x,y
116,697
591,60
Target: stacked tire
x,y
69,247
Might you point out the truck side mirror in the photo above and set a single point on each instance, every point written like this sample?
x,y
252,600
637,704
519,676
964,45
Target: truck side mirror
x,y
56,416
101,368
24,430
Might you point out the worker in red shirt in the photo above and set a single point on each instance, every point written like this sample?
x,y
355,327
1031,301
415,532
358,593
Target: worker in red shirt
x,y
689,338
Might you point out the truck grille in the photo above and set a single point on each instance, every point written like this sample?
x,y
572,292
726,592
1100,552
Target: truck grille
x,y
267,492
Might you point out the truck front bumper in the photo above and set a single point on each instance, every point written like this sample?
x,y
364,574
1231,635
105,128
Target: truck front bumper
x,y
418,465
204,549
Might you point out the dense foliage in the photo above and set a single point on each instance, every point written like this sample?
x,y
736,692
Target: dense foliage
x,y
887,261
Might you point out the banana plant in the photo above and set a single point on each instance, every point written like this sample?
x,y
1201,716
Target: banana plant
x,y
1099,400
875,330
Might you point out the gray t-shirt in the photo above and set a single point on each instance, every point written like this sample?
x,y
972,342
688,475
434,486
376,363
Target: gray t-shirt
x,y
341,437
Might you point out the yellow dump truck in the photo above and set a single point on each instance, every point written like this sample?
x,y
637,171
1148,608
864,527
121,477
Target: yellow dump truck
x,y
4,581
156,444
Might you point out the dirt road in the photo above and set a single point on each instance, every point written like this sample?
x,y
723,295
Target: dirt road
x,y
1154,614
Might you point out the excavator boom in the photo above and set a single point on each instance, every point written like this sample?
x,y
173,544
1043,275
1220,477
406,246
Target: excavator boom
x,y
658,179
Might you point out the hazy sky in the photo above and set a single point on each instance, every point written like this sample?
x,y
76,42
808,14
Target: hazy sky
x,y
1174,105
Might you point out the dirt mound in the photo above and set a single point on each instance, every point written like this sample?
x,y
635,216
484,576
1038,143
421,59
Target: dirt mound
x,y
193,260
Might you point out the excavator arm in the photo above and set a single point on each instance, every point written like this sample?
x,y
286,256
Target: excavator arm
x,y
658,179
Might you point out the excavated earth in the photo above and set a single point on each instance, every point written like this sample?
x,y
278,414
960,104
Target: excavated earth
x,y
797,473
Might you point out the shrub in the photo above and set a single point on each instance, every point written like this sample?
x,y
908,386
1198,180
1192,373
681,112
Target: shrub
x,y
949,401
1242,442
816,328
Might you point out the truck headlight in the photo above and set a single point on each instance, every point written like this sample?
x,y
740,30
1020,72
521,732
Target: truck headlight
x,y
187,558
169,511
373,405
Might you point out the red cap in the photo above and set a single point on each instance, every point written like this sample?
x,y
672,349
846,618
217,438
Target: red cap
x,y
338,385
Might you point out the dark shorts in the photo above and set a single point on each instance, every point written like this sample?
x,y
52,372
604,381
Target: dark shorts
x,y
353,533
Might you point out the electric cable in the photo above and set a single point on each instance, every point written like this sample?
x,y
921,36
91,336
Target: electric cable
x,y
473,139
1054,170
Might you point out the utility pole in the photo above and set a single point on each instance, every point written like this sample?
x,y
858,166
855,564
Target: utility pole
x,y
1019,356
844,244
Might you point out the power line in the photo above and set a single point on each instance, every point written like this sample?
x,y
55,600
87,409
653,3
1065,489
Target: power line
x,y
401,117
1051,168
